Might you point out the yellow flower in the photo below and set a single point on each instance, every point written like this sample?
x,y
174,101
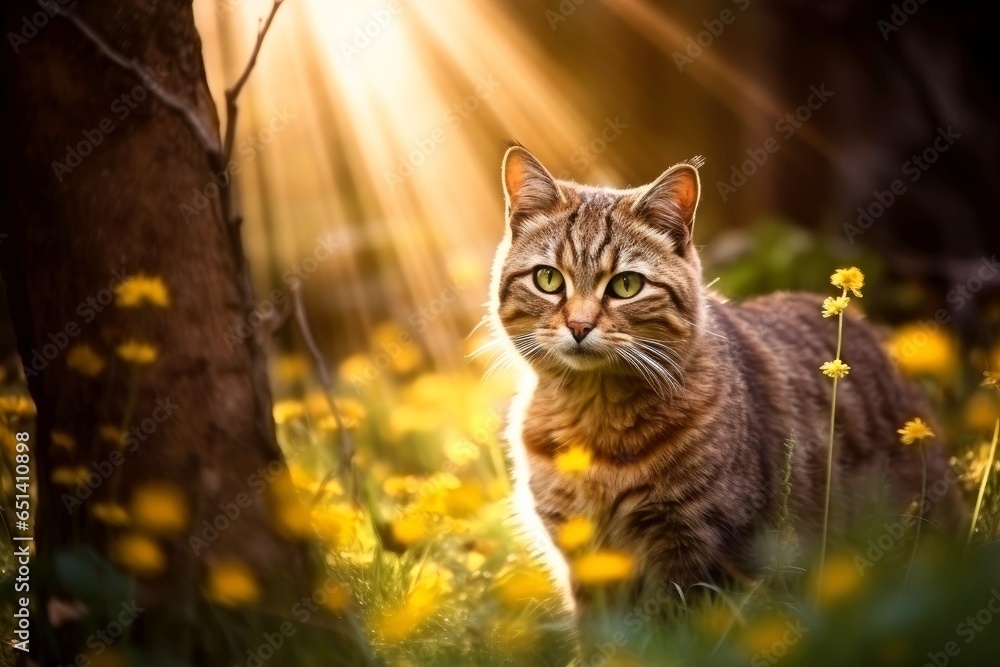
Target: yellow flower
x,y
839,580
63,439
977,462
292,518
110,513
391,341
316,403
111,433
433,391
920,350
835,305
304,477
337,525
767,635
140,290
991,379
287,410
474,561
461,451
160,508
351,411
17,404
406,360
231,583
980,411
357,369
69,476
410,418
410,529
138,553
574,460
464,501
137,353
835,369
289,515
291,367
849,280
603,567
575,533
109,658
397,486
388,335
914,431
85,360
420,604
524,585
338,596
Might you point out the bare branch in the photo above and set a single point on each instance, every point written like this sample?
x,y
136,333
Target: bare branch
x,y
233,91
323,373
189,113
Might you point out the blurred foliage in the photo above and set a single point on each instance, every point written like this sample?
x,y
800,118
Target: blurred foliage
x,y
777,255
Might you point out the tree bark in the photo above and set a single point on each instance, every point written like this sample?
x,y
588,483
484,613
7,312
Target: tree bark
x,y
98,169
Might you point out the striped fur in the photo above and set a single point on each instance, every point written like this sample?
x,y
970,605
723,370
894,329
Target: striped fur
x,y
686,401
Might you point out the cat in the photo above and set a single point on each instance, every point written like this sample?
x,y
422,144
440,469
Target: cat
x,y
685,403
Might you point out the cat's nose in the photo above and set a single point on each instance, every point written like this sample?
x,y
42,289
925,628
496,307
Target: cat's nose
x,y
580,329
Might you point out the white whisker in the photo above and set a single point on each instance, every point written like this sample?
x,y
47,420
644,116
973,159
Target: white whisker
x,y
696,326
640,363
667,355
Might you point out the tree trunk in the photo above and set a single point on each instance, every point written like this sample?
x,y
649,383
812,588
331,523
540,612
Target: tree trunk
x,y
98,170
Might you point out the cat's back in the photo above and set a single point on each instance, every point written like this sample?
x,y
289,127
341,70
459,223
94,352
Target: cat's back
x,y
791,325
787,339
783,339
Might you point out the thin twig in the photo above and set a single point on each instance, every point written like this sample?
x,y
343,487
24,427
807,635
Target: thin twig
x,y
278,321
233,222
233,91
326,381
227,199
189,113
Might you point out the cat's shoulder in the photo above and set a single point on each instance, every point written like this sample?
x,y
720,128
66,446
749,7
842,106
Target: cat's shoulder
x,y
791,312
788,311
787,303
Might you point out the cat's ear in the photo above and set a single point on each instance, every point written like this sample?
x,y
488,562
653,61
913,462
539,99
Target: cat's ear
x,y
669,203
527,185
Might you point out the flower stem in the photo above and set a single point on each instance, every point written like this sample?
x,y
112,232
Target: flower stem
x,y
920,511
982,485
829,455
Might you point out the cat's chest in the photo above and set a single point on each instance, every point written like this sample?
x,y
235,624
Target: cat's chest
x,y
617,432
601,493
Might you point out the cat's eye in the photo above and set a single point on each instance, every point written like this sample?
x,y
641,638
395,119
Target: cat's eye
x,y
625,285
548,280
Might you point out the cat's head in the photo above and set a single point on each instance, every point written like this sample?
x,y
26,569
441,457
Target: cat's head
x,y
593,279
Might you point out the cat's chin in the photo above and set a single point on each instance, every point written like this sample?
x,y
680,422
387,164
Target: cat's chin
x,y
581,360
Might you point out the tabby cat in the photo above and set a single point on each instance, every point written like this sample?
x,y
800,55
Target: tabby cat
x,y
684,402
